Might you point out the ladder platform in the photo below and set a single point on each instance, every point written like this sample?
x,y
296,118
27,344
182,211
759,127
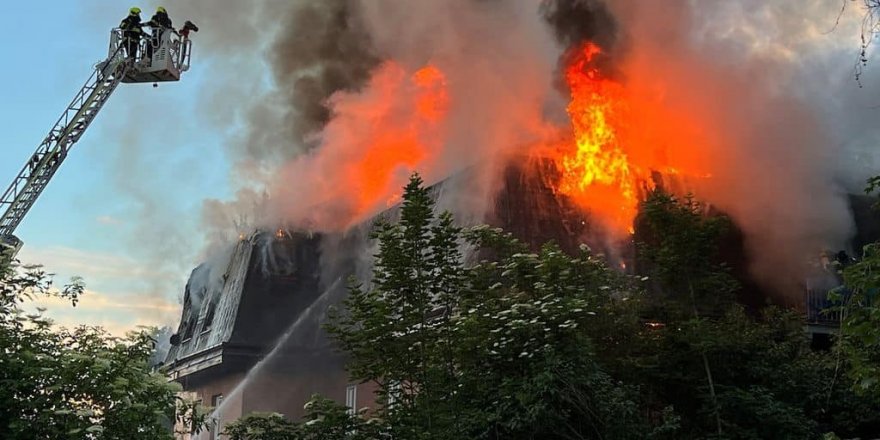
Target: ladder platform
x,y
148,75
160,57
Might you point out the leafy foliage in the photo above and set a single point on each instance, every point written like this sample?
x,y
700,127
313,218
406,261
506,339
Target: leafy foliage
x,y
261,426
498,349
681,250
74,383
324,420
525,333
516,344
399,332
679,244
757,378
860,327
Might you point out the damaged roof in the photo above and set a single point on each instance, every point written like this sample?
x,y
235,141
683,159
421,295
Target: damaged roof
x,y
280,276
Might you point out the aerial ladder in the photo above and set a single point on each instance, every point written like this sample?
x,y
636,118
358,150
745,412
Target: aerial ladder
x,y
171,52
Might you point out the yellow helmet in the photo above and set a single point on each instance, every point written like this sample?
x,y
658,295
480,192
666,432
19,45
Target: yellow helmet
x,y
161,9
135,11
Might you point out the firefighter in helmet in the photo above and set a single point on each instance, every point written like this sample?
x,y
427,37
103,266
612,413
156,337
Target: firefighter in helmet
x,y
160,23
131,31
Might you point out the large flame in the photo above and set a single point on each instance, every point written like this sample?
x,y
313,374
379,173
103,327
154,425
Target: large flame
x,y
377,137
620,135
401,143
619,139
597,173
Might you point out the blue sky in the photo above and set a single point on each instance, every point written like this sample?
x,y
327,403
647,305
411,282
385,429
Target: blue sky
x,y
124,210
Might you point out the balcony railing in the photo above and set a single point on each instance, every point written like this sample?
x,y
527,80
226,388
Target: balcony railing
x,y
821,310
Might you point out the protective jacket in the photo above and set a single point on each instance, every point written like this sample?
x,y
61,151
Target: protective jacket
x,y
131,24
161,20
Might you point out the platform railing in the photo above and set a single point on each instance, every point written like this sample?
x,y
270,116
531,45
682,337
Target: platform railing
x,y
179,47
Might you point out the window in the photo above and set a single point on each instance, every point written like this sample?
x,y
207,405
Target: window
x,y
209,319
188,328
216,429
351,398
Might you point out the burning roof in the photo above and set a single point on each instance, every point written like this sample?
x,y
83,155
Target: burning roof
x,y
610,95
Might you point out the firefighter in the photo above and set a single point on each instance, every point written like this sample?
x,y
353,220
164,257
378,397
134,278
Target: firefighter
x,y
160,23
132,32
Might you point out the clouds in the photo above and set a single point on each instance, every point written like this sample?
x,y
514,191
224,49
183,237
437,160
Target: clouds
x,y
108,220
120,292
116,312
96,265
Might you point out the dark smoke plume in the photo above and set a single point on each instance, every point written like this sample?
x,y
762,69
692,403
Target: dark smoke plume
x,y
322,49
273,65
312,48
576,21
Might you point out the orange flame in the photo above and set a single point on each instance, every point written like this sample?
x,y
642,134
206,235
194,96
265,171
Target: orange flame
x,y
597,174
399,143
619,139
375,140
620,135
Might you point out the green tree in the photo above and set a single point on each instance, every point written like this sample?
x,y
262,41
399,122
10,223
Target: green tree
x,y
324,420
764,381
262,426
79,383
499,349
860,326
680,244
398,331
527,332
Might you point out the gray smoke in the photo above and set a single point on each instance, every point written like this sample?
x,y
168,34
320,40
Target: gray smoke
x,y
273,65
773,86
768,83
321,50
496,60
155,231
312,49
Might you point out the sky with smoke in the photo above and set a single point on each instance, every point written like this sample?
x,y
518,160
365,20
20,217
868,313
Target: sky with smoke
x,y
763,84
285,95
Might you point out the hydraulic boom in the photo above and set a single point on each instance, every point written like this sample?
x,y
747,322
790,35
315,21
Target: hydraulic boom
x,y
170,58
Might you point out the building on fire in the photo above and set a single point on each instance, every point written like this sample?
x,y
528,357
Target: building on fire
x,y
250,337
